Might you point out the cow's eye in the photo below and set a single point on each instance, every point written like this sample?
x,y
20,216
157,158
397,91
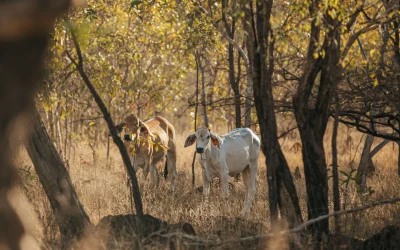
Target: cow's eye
x,y
208,137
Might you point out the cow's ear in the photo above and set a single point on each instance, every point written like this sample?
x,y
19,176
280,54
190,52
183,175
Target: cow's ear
x,y
216,140
190,140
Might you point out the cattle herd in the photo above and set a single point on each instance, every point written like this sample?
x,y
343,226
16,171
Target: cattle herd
x,y
152,143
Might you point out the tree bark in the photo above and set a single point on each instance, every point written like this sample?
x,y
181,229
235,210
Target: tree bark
x,y
68,211
281,189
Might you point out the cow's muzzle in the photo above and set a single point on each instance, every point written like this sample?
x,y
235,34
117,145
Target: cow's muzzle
x,y
200,150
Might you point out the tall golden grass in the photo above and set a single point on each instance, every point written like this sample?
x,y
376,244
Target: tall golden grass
x,y
102,188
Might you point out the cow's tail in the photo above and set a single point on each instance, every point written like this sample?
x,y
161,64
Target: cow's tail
x,y
166,168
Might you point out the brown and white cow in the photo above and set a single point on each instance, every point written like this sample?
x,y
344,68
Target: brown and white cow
x,y
149,143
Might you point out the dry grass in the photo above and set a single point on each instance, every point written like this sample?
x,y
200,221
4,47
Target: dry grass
x,y
103,191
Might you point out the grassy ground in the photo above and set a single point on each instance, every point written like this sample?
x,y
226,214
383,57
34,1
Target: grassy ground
x,y
103,191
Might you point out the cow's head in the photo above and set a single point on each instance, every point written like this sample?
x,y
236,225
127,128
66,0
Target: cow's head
x,y
203,138
133,123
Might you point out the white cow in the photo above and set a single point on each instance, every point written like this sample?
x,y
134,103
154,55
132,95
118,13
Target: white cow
x,y
231,154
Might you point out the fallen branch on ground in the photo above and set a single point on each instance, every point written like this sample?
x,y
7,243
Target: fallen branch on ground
x,y
198,241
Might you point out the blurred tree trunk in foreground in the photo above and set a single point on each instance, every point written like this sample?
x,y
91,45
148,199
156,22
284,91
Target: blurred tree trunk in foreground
x,y
23,41
68,211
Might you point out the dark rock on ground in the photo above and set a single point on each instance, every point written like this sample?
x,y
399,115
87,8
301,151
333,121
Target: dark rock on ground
x,y
140,232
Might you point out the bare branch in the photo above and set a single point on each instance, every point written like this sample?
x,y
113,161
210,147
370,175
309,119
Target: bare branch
x,y
199,241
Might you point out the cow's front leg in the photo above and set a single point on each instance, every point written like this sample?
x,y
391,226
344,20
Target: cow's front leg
x,y
154,175
224,181
206,184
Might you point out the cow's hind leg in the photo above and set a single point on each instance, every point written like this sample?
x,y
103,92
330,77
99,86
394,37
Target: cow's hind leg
x,y
252,185
245,178
171,163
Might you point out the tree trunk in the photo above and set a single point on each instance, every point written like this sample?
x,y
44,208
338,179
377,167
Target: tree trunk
x,y
336,193
69,212
235,86
23,42
365,161
398,160
197,58
51,124
312,120
281,189
249,87
203,93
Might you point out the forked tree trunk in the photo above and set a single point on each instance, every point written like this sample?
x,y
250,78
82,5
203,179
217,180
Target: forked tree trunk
x,y
68,211
281,189
312,120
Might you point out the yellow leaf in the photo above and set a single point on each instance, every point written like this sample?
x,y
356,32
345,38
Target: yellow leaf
x,y
315,55
156,148
91,123
144,144
372,75
63,114
376,83
372,52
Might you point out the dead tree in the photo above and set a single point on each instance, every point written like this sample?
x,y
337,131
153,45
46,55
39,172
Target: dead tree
x,y
54,177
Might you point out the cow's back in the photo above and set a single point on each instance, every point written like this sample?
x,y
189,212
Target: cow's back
x,y
241,146
162,127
